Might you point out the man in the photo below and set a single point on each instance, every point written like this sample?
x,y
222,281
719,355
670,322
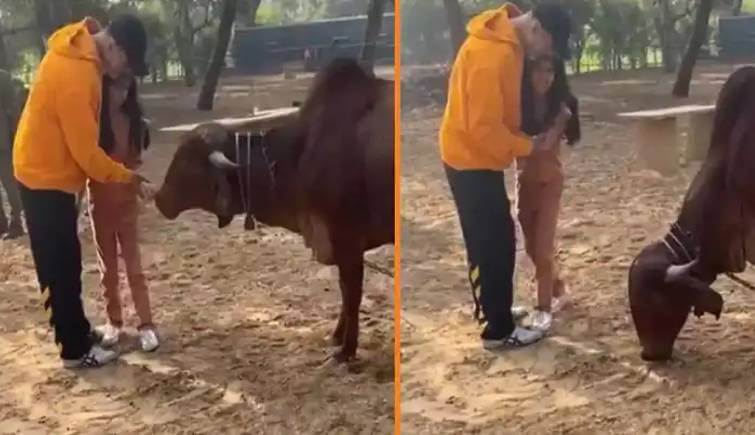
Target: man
x,y
9,110
480,137
54,153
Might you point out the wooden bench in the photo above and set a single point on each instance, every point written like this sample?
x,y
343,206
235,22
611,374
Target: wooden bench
x,y
259,121
657,144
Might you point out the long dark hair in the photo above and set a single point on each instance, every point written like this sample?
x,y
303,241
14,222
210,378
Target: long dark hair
x,y
137,127
558,93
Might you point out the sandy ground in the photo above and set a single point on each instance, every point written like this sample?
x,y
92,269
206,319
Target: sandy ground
x,y
244,318
587,377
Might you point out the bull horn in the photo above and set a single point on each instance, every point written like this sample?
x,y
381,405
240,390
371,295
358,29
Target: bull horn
x,y
220,161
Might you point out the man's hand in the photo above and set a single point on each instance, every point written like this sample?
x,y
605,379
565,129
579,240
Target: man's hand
x,y
147,191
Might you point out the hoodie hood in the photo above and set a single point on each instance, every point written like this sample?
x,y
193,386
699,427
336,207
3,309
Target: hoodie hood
x,y
495,24
55,146
481,124
76,41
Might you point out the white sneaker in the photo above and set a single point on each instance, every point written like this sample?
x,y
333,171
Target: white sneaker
x,y
542,320
110,335
148,340
519,338
558,304
519,312
96,357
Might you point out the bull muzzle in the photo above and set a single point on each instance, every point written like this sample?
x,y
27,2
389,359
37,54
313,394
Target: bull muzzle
x,y
161,203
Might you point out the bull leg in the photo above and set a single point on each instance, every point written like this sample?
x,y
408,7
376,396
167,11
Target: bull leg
x,y
337,338
305,230
351,276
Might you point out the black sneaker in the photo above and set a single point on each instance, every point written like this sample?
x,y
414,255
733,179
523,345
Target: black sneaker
x,y
15,231
520,337
95,336
96,357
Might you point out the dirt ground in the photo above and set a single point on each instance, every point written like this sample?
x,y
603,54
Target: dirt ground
x,y
587,377
244,318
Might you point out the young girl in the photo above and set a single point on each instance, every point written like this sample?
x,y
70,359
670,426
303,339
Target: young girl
x,y
547,108
114,210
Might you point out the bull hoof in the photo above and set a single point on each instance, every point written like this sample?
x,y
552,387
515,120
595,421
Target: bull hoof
x,y
655,357
336,339
323,258
344,357
335,360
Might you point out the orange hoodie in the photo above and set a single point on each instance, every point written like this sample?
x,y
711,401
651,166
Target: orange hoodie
x,y
56,145
480,128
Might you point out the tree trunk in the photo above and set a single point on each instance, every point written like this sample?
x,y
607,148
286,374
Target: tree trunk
x,y
184,56
184,39
44,23
663,26
374,23
164,69
699,34
207,94
62,12
644,58
253,12
578,58
246,14
736,8
51,14
4,61
455,18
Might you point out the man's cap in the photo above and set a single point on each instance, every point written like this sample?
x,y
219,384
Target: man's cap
x,y
128,32
556,20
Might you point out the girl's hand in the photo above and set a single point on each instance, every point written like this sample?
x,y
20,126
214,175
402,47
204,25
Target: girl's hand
x,y
556,132
541,142
562,117
145,189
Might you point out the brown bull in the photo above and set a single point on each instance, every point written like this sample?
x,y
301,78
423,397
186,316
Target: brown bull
x,y
712,235
328,175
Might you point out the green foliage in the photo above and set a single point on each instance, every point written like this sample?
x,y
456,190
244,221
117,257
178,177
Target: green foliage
x,y
614,33
277,12
269,15
301,10
346,8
